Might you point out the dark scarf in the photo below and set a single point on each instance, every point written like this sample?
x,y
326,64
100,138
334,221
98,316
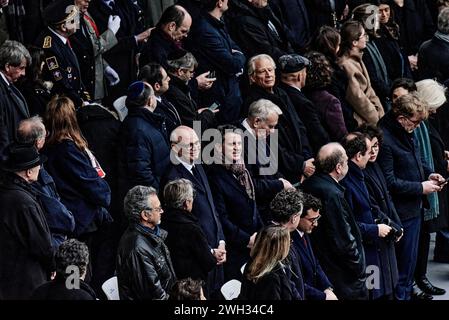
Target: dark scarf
x,y
243,177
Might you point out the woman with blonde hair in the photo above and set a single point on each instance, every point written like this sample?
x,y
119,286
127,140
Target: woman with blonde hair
x,y
78,178
265,276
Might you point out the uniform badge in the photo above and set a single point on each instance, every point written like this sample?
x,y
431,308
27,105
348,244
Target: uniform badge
x,y
52,63
47,42
57,75
69,76
69,69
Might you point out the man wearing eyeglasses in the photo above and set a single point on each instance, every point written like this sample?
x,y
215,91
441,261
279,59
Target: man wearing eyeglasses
x,y
316,284
408,178
144,266
185,164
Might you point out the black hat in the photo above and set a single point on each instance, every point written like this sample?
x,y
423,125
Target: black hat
x,y
290,63
60,11
19,157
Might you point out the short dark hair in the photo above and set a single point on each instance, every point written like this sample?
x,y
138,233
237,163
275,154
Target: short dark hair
x,y
71,253
151,73
186,289
285,204
227,128
209,5
328,164
354,142
372,132
310,202
174,13
406,83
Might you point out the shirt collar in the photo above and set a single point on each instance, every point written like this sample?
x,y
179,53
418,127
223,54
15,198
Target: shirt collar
x,y
5,79
245,124
64,40
186,165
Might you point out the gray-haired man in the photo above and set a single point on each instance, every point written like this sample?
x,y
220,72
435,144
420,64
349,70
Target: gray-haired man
x,y
14,58
144,267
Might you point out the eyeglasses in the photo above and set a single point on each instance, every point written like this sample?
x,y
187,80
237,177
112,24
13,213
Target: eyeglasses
x,y
158,209
190,146
314,220
415,122
364,35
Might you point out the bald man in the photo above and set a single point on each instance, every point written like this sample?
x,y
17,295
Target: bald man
x,y
185,152
337,242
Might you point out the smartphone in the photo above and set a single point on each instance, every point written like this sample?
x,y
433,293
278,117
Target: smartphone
x,y
213,106
445,181
211,75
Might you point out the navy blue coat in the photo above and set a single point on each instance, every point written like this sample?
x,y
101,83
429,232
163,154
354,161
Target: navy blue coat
x,y
359,200
238,215
403,167
82,191
383,207
157,49
338,241
60,220
212,46
204,210
144,150
315,280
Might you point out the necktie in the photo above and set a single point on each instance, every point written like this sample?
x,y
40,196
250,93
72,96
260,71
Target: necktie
x,y
196,173
305,241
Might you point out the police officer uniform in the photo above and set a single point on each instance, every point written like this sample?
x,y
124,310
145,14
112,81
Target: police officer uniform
x,y
61,64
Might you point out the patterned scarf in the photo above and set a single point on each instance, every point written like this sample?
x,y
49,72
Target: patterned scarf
x,y
242,174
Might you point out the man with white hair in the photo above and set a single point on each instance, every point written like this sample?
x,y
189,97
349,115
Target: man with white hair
x,y
260,160
295,154
144,267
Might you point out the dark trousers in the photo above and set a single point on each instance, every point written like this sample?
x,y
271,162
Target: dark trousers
x,y
423,252
406,254
441,252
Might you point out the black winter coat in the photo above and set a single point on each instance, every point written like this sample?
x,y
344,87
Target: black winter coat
x,y
26,253
337,242
144,267
57,290
249,29
190,252
433,60
275,285
294,147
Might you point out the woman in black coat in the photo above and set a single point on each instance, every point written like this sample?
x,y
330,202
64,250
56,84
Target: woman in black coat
x,y
234,199
383,211
189,250
265,276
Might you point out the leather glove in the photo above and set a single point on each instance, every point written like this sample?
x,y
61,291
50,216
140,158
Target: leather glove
x,y
114,23
112,76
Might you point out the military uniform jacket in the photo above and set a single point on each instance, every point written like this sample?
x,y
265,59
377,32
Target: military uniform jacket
x,y
61,67
89,48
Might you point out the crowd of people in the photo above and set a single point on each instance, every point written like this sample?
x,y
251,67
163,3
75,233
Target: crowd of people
x,y
299,147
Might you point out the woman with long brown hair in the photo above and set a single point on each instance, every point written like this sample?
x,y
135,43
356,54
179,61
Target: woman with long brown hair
x,y
265,276
360,94
77,175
